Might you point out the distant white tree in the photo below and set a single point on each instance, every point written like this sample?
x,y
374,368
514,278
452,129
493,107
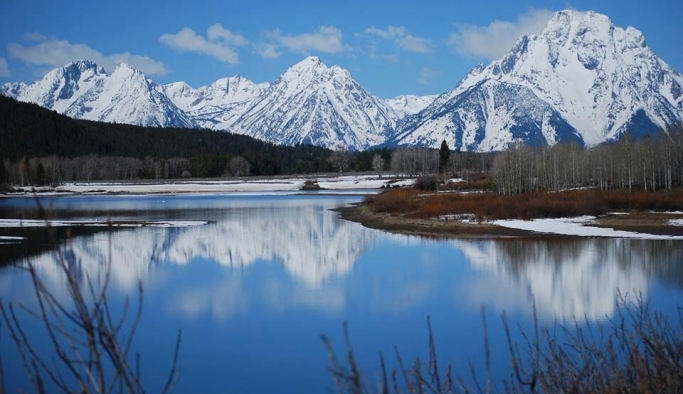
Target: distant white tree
x,y
378,164
239,166
341,158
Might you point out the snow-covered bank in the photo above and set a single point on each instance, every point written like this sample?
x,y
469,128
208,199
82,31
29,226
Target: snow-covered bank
x,y
14,223
577,226
360,184
8,239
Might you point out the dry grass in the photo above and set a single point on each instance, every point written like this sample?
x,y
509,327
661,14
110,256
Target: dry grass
x,y
639,351
415,204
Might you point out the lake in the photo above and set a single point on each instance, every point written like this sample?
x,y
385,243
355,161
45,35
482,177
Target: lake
x,y
253,281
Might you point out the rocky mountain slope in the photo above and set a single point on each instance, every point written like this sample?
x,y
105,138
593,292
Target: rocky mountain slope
x,y
582,79
314,104
408,104
215,106
82,90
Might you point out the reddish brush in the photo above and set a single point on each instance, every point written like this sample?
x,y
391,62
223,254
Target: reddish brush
x,y
525,206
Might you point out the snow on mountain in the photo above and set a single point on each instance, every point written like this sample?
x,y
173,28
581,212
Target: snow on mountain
x,y
215,106
60,87
581,79
314,104
82,90
310,103
127,96
408,104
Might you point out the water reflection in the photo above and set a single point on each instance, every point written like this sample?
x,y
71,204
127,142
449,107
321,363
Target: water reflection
x,y
573,278
293,253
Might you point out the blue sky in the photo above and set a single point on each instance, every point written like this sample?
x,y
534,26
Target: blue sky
x,y
391,47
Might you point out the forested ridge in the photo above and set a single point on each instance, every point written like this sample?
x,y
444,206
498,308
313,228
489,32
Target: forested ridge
x,y
28,131
39,146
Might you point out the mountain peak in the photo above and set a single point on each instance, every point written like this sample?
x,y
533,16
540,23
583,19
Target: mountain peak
x,y
312,59
125,66
308,65
574,17
582,79
83,65
314,104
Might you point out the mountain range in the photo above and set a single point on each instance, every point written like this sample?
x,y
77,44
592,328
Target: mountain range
x,y
581,80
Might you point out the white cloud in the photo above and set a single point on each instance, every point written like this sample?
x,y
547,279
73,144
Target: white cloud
x,y
495,40
266,50
220,43
413,44
327,39
402,39
56,53
426,75
4,68
217,32
388,33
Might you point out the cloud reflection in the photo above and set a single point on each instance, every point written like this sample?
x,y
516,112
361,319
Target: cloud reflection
x,y
299,255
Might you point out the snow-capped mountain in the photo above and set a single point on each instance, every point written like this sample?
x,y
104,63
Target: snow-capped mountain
x,y
314,104
408,104
310,103
60,87
215,106
581,79
82,90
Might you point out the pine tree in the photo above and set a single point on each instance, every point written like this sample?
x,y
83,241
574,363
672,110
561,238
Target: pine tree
x,y
444,155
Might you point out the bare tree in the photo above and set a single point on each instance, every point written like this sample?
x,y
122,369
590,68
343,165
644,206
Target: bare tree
x,y
378,164
341,158
92,348
239,166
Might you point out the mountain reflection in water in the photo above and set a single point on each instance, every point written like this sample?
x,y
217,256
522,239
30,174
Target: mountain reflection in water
x,y
569,278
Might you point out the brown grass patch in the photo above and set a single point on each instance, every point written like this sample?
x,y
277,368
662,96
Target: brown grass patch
x,y
412,203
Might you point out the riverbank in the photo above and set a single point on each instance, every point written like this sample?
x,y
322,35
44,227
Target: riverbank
x,y
362,214
336,184
593,214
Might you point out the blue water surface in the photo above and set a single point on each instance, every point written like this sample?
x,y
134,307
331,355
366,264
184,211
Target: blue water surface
x,y
254,288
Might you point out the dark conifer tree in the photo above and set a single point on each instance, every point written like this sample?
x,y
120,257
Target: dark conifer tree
x,y
444,155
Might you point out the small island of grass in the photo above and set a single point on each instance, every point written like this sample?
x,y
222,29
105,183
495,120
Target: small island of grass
x,y
442,213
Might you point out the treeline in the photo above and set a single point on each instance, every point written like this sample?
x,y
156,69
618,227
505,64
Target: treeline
x,y
39,146
652,163
425,161
34,140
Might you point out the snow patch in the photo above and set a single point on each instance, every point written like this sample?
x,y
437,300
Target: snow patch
x,y
577,226
19,223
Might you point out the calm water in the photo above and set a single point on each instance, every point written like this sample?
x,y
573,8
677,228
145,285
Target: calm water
x,y
254,288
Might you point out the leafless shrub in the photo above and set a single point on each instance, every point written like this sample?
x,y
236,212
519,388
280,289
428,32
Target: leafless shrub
x,y
92,348
637,351
428,182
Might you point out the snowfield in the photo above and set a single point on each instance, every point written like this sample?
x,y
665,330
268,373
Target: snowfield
x,y
578,226
351,184
24,223
339,185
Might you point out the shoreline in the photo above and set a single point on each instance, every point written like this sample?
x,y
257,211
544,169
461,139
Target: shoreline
x,y
358,213
353,184
637,223
634,224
